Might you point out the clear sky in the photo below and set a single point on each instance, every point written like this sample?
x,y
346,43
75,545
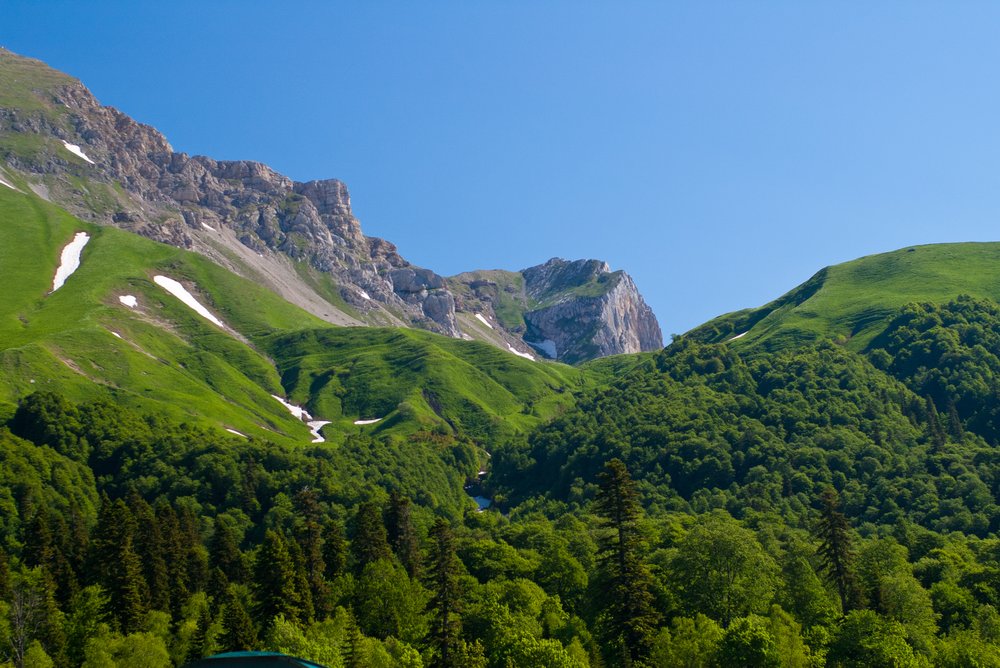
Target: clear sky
x,y
720,152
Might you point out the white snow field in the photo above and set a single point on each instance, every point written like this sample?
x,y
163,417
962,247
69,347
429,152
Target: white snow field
x,y
233,431
480,318
116,334
178,290
129,300
366,295
314,428
208,227
75,150
548,346
372,421
69,261
297,411
527,356
738,336
2,182
302,414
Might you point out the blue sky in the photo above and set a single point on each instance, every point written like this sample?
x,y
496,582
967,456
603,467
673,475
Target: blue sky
x,y
720,152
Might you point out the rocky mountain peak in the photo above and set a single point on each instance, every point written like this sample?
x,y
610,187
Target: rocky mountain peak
x,y
301,239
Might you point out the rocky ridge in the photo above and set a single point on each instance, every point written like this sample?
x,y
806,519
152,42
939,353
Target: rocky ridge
x,y
300,239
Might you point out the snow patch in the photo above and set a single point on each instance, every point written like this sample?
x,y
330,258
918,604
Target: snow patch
x,y
75,150
548,347
365,295
480,318
738,336
527,356
314,428
233,431
208,227
372,421
2,182
116,334
69,261
129,300
299,412
178,290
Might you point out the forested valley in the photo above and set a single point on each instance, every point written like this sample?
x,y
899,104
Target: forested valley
x,y
700,506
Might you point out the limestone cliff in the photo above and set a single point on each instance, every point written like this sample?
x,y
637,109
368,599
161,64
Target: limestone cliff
x,y
302,240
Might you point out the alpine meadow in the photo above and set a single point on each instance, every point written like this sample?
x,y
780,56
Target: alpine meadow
x,y
236,429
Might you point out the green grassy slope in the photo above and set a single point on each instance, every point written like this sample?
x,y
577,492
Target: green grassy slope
x,y
417,380
162,356
853,302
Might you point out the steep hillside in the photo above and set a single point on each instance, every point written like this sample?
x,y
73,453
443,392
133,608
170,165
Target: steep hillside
x,y
854,301
301,240
118,325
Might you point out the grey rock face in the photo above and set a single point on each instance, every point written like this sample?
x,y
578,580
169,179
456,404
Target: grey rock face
x,y
586,324
243,209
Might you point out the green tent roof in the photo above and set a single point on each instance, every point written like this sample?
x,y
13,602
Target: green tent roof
x,y
251,660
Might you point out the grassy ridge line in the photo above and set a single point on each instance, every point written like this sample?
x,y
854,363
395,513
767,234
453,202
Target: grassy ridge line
x,y
854,301
418,380
168,359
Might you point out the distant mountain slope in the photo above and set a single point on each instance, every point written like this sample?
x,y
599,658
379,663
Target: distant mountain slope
x,y
301,240
124,323
854,301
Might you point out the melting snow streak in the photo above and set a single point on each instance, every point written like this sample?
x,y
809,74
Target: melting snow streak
x,y
70,259
178,290
128,300
372,421
75,150
480,318
527,356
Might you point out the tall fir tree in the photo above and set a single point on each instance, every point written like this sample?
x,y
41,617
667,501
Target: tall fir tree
x,y
371,542
275,581
238,631
837,552
443,572
334,550
402,534
629,619
224,553
309,536
175,556
150,549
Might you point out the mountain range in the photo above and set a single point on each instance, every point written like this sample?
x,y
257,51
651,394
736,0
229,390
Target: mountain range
x,y
301,240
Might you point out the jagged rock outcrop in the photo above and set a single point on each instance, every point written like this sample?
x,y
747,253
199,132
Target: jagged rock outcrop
x,y
570,311
261,224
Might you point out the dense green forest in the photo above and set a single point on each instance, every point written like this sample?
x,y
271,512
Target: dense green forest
x,y
709,506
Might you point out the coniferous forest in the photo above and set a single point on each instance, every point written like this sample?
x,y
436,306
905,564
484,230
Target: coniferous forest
x,y
699,506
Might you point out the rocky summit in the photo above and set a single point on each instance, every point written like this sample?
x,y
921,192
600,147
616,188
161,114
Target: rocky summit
x,y
299,239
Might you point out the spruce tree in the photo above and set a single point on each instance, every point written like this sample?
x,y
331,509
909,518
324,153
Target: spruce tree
x,y
175,556
224,553
275,581
629,617
402,534
443,571
238,632
334,550
370,539
836,551
150,549
309,536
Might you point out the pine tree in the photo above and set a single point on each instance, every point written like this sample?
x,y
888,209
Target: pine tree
x,y
238,632
174,555
224,553
334,550
370,539
309,536
150,550
199,641
630,619
402,534
443,570
836,551
352,651
274,581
